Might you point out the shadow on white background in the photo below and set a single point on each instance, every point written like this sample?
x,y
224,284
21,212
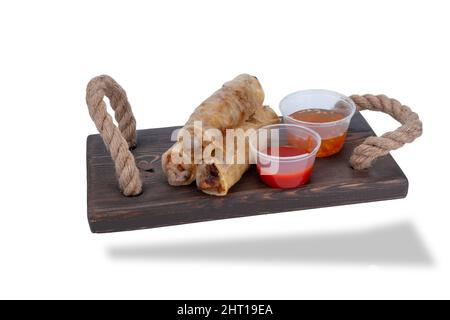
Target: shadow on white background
x,y
397,244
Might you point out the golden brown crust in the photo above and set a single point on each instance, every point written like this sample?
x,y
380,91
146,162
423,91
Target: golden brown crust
x,y
232,104
229,106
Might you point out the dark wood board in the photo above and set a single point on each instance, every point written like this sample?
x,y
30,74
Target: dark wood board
x,y
333,183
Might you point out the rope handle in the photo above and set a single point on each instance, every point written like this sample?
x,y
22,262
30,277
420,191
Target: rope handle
x,y
118,140
374,147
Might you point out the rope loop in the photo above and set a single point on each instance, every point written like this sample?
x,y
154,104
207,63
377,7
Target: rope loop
x,y
118,140
374,147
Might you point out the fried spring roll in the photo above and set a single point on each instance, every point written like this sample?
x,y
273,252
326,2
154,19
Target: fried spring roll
x,y
214,176
228,107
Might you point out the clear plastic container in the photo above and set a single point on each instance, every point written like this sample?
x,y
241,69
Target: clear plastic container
x,y
333,133
284,154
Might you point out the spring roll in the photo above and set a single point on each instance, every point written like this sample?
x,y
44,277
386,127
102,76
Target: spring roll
x,y
214,176
228,107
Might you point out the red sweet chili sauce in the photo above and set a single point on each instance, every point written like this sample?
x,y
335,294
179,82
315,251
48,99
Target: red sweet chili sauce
x,y
293,178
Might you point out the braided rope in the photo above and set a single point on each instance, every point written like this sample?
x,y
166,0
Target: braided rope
x,y
375,147
117,140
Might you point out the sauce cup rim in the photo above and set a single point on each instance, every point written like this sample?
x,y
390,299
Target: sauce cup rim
x,y
313,153
320,91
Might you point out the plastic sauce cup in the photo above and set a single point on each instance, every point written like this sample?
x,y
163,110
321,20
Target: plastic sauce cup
x,y
332,133
284,154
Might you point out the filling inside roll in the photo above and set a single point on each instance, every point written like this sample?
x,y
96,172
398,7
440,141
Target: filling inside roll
x,y
177,173
209,178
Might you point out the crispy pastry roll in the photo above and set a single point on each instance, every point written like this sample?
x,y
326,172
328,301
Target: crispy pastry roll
x,y
216,176
228,107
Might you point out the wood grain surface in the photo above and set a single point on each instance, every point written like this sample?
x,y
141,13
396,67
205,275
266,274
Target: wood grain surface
x,y
333,183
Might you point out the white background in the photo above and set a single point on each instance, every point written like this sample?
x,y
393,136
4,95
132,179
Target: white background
x,y
169,56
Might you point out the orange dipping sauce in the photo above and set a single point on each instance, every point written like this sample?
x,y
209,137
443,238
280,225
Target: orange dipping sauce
x,y
329,146
293,179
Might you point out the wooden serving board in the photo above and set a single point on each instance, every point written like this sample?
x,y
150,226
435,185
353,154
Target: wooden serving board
x,y
333,183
